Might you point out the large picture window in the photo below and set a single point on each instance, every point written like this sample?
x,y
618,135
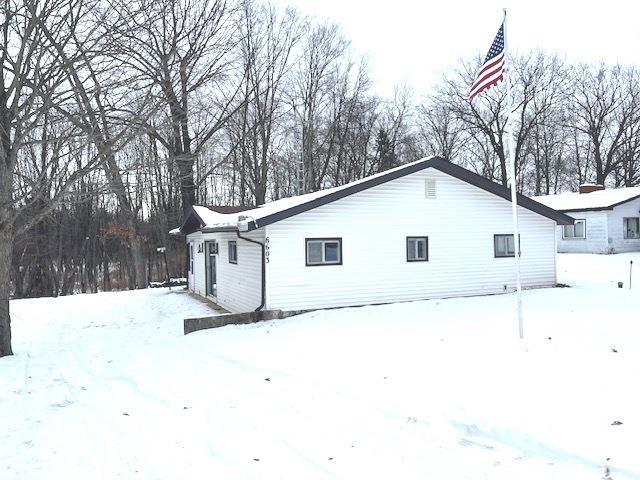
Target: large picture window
x,y
417,249
631,227
504,246
577,230
323,251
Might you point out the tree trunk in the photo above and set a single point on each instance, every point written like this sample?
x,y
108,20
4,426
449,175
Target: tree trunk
x,y
187,185
6,247
106,274
137,257
503,168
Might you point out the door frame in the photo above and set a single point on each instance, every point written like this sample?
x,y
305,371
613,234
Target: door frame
x,y
211,290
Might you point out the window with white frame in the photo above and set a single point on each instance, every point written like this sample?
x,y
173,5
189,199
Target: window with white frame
x,y
631,227
417,249
577,230
323,251
233,251
504,246
191,257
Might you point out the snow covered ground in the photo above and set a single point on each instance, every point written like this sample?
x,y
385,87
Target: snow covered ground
x,y
106,386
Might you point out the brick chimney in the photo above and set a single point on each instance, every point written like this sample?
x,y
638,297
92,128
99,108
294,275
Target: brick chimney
x,y
590,187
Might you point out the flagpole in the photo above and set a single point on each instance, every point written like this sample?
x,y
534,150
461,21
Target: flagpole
x,y
512,164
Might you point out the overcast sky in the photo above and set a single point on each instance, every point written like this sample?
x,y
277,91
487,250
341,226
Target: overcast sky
x,y
416,41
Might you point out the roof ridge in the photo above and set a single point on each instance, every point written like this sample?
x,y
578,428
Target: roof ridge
x,y
309,201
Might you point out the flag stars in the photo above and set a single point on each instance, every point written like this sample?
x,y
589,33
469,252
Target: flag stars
x,y
497,46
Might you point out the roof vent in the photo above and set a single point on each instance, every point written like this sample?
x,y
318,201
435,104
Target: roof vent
x,y
430,188
590,187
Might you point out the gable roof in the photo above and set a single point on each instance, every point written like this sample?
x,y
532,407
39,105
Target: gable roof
x,y
287,207
592,201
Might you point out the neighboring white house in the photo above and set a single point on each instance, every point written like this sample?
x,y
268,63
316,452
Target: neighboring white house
x,y
428,229
606,220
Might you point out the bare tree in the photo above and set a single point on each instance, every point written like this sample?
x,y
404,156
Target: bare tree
x,y
349,83
393,123
535,89
311,92
182,51
439,130
604,106
110,106
268,39
33,77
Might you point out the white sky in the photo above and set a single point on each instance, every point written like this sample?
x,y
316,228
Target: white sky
x,y
416,41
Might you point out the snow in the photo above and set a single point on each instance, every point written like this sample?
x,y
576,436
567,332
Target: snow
x,y
209,217
173,282
106,386
588,201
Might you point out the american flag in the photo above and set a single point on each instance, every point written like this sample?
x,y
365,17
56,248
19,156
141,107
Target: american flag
x,y
492,71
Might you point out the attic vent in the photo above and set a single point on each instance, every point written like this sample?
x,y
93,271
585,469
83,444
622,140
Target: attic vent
x,y
430,188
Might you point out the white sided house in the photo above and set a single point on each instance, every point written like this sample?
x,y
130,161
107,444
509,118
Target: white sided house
x,y
606,220
428,229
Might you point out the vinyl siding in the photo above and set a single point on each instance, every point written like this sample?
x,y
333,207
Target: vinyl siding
x,y
239,286
460,223
605,232
617,242
197,277
596,240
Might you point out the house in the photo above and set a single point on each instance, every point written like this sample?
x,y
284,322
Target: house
x,y
428,229
606,221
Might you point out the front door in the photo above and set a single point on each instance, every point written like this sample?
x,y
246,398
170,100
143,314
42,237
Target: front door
x,y
210,261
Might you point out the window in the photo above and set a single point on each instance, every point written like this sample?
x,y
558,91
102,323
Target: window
x,y
417,249
631,227
577,230
233,251
191,257
503,246
323,251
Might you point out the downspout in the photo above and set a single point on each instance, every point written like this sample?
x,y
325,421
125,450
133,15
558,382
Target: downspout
x,y
264,281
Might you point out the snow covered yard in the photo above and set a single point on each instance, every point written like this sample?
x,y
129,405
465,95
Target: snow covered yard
x,y
106,386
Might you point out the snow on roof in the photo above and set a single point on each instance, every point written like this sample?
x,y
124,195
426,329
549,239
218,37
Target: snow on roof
x,y
209,217
598,200
208,220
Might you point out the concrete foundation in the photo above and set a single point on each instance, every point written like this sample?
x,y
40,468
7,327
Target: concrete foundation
x,y
215,321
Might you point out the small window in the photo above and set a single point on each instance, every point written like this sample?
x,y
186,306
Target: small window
x,y
233,251
417,249
323,251
191,257
577,230
631,227
503,246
